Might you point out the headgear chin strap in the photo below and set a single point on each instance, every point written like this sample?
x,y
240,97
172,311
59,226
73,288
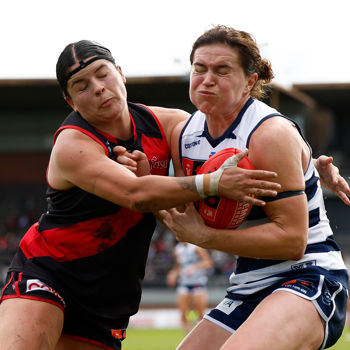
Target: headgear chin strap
x,y
83,64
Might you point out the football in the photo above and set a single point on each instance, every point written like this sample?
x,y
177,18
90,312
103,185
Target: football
x,y
220,212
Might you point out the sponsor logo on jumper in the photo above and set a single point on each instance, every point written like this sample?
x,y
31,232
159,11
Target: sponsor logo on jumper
x,y
192,144
36,284
158,164
303,265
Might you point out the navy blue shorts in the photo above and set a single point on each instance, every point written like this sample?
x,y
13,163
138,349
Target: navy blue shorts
x,y
329,298
191,289
78,323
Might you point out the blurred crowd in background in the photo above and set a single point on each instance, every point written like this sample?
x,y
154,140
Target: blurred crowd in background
x,y
16,217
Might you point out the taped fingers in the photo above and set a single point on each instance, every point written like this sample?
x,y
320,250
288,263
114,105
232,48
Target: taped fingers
x,y
234,160
230,162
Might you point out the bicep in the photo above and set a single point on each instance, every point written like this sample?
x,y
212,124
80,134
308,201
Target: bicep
x,y
82,162
277,147
289,212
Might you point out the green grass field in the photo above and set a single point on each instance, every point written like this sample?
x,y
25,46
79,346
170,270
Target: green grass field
x,y
152,339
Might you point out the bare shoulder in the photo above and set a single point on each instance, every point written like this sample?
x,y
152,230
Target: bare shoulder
x,y
275,136
275,129
73,146
277,146
171,116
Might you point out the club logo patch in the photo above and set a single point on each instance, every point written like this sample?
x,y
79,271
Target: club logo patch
x,y
303,265
228,305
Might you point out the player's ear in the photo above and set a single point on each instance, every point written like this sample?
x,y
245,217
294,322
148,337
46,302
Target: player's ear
x,y
119,69
70,102
251,80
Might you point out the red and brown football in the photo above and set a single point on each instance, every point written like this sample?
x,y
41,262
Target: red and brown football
x,y
220,212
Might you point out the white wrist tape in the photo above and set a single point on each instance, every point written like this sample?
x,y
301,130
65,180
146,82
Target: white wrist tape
x,y
208,184
199,185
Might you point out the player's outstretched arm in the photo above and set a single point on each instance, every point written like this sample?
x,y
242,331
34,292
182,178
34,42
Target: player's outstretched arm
x,y
331,179
237,183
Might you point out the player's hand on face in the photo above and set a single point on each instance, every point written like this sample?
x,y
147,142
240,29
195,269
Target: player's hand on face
x,y
331,179
187,226
238,184
136,161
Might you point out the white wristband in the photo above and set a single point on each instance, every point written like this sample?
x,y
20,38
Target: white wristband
x,y
208,184
200,185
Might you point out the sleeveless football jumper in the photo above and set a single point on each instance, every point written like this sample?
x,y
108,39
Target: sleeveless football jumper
x,y
186,256
322,259
89,252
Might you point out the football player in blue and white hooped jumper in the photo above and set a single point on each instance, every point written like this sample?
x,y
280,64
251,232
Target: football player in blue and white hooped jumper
x,y
190,274
289,290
